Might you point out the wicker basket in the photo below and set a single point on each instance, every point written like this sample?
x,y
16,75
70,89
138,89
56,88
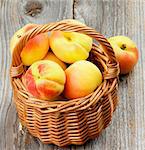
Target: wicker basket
x,y
67,122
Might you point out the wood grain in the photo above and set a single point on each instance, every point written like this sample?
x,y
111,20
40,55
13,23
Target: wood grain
x,y
110,17
14,15
125,17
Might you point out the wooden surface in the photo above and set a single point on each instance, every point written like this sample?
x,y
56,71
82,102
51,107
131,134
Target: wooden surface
x,y
110,17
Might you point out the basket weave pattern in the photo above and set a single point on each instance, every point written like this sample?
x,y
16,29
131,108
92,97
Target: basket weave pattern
x,y
74,121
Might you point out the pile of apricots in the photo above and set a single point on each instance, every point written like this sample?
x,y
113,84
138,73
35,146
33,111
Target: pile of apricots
x,y
57,64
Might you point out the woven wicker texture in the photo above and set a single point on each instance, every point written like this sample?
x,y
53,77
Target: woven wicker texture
x,y
67,122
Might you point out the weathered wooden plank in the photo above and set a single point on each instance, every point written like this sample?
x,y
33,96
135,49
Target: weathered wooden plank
x,y
13,15
121,17
110,17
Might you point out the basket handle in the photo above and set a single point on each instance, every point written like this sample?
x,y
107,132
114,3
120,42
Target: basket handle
x,y
63,26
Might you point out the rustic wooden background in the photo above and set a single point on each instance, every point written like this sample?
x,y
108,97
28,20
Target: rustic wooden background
x,y
110,17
